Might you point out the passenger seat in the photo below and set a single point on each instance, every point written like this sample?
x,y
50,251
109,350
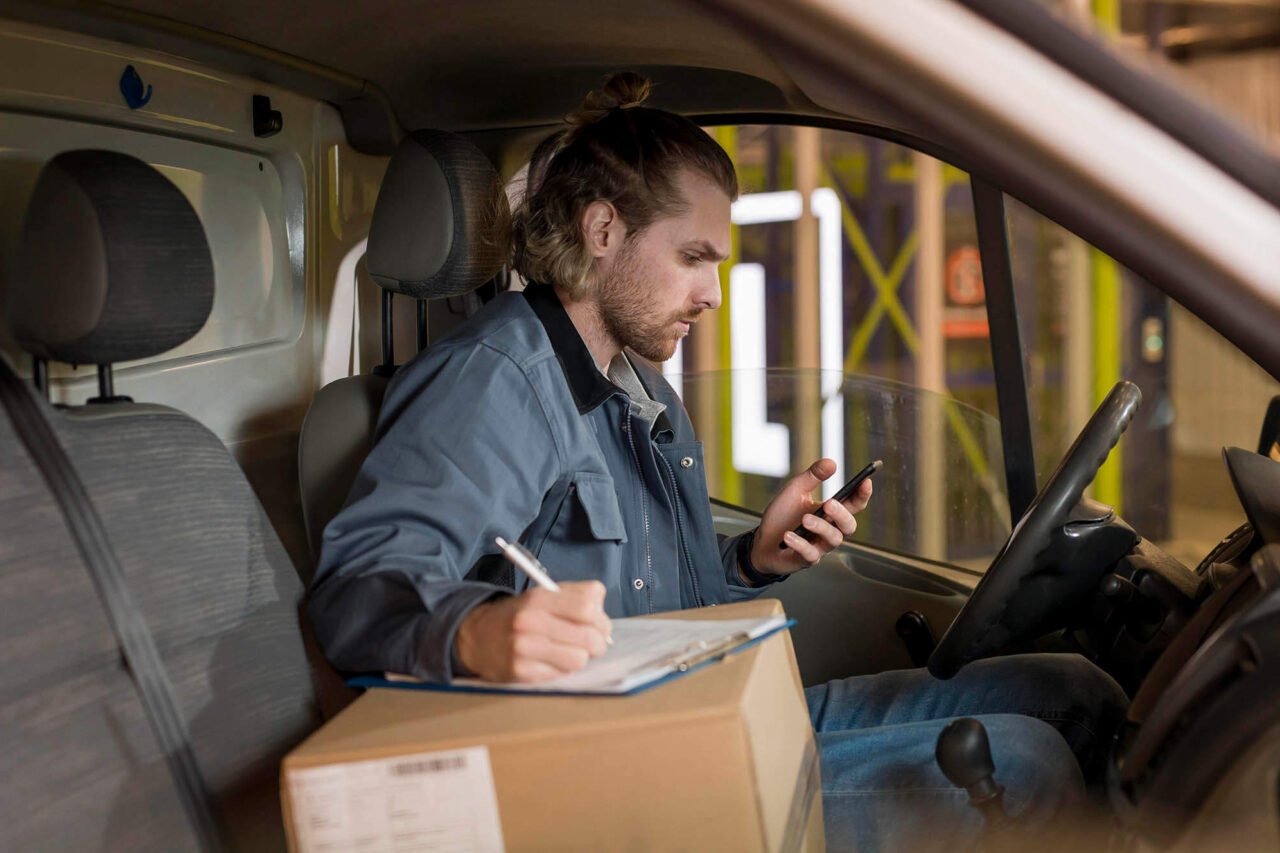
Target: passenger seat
x,y
113,267
439,230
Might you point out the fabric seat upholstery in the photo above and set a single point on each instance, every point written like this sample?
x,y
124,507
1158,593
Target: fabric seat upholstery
x,y
336,437
439,230
80,769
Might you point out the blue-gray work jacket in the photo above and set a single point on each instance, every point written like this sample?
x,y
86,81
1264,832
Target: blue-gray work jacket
x,y
507,428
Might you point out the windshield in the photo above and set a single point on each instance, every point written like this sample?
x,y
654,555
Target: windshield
x,y
941,494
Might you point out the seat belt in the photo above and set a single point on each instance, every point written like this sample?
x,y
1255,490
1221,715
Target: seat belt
x,y
139,650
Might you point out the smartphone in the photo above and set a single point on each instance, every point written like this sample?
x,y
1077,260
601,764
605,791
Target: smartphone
x,y
845,491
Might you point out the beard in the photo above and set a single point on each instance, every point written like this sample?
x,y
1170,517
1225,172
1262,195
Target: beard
x,y
630,313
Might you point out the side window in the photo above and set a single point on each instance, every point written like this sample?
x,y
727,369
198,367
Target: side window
x,y
852,326
1088,322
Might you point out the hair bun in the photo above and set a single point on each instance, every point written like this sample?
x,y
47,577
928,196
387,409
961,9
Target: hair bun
x,y
620,91
627,89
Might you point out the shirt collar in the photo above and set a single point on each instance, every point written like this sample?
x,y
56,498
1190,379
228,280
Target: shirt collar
x,y
623,374
588,385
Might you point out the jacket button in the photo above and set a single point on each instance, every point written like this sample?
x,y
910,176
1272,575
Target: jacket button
x,y
638,583
686,462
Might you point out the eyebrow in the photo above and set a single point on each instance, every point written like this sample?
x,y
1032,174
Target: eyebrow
x,y
705,248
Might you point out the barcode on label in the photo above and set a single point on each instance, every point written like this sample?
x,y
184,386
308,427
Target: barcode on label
x,y
430,765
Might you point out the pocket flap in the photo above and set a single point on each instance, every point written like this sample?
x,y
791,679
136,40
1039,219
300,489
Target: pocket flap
x,y
599,500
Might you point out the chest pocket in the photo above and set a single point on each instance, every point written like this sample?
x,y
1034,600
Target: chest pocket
x,y
597,497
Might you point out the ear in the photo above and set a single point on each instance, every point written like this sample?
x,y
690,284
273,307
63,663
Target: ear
x,y
602,229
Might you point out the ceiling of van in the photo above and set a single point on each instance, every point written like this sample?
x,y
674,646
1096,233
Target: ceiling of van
x,y
467,65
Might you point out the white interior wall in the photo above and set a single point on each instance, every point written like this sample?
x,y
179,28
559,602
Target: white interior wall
x,y
279,212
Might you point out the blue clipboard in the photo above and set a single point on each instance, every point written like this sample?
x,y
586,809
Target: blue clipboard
x,y
702,659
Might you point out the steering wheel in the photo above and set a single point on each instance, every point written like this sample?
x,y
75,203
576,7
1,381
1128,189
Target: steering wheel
x,y
1028,584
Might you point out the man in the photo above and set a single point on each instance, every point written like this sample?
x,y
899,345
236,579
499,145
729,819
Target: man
x,y
538,421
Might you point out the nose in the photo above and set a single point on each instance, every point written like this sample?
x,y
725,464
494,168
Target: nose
x,y
707,294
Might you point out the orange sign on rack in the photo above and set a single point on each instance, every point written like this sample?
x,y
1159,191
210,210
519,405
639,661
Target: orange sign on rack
x,y
964,277
966,314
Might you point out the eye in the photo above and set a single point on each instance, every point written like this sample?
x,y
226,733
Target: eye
x,y
691,260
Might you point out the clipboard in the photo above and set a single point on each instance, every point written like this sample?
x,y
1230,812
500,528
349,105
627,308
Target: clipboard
x,y
647,652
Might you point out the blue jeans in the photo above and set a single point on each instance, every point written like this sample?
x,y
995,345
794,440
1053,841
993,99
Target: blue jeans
x,y
1047,717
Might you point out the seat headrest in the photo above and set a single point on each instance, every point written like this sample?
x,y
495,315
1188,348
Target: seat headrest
x,y
113,263
440,224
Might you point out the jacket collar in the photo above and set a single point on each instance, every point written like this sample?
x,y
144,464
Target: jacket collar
x,y
588,385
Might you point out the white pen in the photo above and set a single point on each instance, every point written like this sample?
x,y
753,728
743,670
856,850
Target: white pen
x,y
524,560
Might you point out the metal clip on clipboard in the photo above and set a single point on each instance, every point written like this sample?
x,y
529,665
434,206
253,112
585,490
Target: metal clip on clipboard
x,y
696,654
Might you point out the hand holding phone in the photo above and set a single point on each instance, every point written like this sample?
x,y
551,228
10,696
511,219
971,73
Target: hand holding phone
x,y
846,491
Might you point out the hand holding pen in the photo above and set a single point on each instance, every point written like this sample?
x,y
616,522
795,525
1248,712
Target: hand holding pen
x,y
548,631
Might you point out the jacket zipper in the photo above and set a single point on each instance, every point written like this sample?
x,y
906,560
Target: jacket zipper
x,y
644,511
684,545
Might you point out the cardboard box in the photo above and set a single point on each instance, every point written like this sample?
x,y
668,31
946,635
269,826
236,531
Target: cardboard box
x,y
721,759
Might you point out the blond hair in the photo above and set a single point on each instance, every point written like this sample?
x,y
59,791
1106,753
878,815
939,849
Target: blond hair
x,y
612,149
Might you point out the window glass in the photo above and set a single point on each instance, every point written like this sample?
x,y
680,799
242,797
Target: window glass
x,y
941,494
831,341
863,257
1087,323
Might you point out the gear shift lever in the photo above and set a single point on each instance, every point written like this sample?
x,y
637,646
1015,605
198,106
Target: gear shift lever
x,y
963,754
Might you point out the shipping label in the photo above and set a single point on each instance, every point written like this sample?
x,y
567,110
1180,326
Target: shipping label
x,y
429,802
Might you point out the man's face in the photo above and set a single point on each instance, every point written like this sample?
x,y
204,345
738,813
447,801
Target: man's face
x,y
663,278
